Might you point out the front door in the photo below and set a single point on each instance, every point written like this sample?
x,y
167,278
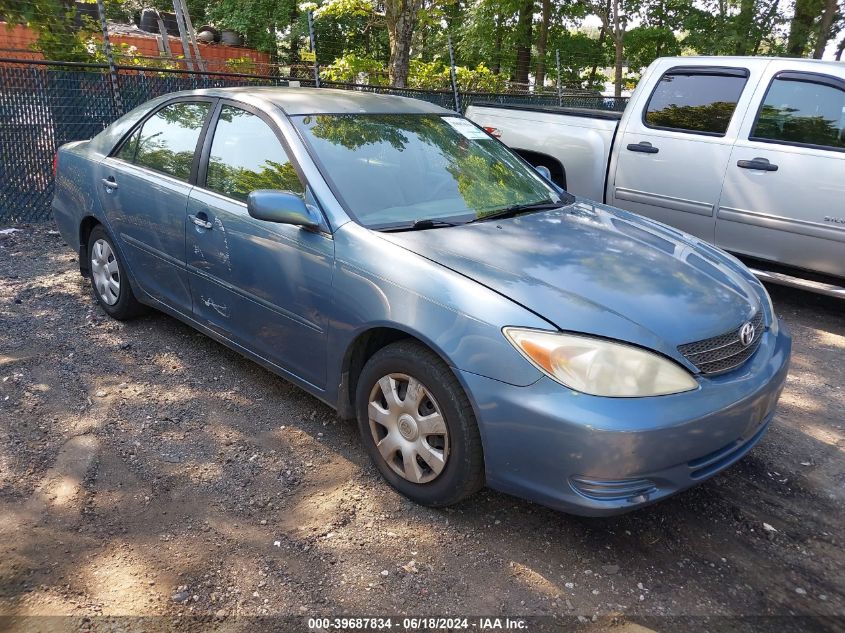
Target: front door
x,y
784,194
262,284
671,162
144,187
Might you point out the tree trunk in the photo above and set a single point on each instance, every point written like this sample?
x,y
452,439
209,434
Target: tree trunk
x,y
542,41
802,26
497,46
618,35
605,24
523,46
825,28
743,26
401,17
765,26
840,49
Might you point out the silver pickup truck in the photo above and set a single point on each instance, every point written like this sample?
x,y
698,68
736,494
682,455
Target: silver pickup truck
x,y
747,153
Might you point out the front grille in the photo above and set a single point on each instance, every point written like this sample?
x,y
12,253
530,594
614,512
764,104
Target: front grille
x,y
722,353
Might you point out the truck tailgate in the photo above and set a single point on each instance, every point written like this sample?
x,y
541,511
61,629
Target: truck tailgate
x,y
579,139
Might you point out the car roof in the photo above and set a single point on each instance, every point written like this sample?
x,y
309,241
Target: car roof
x,y
295,101
803,63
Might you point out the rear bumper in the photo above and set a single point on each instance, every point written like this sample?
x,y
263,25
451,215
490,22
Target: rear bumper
x,y
601,456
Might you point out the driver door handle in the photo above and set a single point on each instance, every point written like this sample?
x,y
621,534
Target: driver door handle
x,y
201,220
643,146
109,183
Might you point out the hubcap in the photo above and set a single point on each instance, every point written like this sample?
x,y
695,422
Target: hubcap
x,y
408,428
104,272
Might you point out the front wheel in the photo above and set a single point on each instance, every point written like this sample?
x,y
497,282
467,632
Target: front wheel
x,y
418,426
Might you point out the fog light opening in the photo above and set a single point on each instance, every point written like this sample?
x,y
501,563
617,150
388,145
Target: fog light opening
x,y
631,490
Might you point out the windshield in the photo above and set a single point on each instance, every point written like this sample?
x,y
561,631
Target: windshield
x,y
392,170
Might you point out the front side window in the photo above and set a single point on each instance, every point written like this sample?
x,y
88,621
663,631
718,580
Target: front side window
x,y
128,149
395,169
699,102
803,113
168,139
246,155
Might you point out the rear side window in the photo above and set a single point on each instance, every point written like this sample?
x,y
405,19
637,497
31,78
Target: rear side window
x,y
168,139
246,155
802,112
701,102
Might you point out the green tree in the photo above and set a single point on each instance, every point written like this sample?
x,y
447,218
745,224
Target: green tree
x,y
61,35
644,44
259,21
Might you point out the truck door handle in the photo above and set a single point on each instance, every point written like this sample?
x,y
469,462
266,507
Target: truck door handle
x,y
643,146
760,164
201,220
109,183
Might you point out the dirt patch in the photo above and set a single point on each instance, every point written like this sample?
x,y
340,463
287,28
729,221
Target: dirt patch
x,y
146,470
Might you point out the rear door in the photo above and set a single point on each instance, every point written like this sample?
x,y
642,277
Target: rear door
x,y
144,187
672,159
264,285
784,193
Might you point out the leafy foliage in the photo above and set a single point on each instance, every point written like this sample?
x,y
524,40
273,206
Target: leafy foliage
x,y
495,42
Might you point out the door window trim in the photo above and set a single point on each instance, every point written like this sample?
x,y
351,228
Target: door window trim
x,y
140,124
719,71
830,81
208,139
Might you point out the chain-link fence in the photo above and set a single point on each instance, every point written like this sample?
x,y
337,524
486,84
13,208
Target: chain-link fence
x,y
46,104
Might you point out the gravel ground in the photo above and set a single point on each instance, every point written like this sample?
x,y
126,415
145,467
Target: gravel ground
x,y
146,470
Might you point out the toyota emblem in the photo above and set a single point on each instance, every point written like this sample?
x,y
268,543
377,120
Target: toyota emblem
x,y
746,334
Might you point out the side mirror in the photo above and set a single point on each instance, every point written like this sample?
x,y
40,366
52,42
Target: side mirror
x,y
543,171
282,207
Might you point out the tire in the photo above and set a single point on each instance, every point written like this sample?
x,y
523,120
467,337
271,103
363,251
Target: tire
x,y
109,280
404,442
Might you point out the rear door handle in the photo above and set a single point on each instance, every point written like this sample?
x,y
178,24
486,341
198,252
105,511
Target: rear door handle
x,y
760,164
643,146
201,220
110,183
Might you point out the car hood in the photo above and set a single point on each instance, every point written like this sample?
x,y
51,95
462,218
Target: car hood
x,y
590,268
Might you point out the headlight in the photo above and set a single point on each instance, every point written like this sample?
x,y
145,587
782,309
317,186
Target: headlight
x,y
599,367
767,300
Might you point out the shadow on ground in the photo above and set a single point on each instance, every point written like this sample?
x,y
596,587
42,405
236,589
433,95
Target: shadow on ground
x,y
146,470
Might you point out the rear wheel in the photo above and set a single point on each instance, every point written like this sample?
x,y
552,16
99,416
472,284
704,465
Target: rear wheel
x,y
418,426
108,277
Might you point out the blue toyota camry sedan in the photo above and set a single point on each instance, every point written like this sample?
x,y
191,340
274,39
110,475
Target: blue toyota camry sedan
x,y
483,326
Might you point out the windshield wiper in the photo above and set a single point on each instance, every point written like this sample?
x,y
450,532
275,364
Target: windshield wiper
x,y
419,225
516,209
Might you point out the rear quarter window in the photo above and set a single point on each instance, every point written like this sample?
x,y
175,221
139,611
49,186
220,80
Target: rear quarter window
x,y
696,101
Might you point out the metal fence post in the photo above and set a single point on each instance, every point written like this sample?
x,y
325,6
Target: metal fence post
x,y
118,103
557,61
453,76
312,42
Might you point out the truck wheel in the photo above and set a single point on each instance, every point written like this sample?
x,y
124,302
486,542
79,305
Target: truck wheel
x,y
418,426
108,277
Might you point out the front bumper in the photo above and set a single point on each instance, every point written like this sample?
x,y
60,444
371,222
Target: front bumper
x,y
600,456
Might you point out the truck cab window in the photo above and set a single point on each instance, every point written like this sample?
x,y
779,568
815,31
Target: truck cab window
x,y
803,113
700,102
